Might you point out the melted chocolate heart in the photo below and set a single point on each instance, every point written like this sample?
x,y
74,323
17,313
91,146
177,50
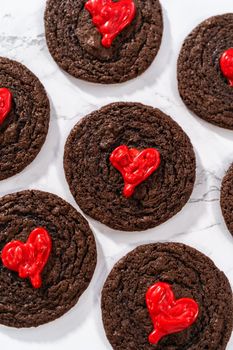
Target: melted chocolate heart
x,y
110,17
168,314
30,258
135,166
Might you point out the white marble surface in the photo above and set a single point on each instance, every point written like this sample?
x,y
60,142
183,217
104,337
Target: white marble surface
x,y
200,223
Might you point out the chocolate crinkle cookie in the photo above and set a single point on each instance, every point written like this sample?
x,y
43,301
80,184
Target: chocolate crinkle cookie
x,y
167,296
129,166
227,198
24,117
205,71
104,41
48,257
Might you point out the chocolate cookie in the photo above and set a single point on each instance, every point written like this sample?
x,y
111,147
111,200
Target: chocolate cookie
x,y
75,42
24,127
97,185
227,199
205,70
69,268
190,274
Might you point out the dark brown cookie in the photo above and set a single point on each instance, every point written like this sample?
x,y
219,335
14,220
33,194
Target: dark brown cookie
x,y
227,199
202,85
70,266
24,130
97,186
191,274
75,43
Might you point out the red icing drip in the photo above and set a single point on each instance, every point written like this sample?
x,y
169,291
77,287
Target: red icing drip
x,y
5,103
135,166
226,65
110,17
168,314
30,258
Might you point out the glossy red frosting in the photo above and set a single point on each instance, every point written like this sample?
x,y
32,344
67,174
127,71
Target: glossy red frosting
x,y
30,258
134,165
110,17
226,65
5,103
168,314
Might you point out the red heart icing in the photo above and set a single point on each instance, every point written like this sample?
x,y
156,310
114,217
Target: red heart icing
x,y
30,258
168,314
135,166
5,103
110,17
226,65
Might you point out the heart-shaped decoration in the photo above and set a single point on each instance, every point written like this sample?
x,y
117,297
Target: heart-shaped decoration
x,y
168,314
30,258
110,17
5,103
135,166
226,65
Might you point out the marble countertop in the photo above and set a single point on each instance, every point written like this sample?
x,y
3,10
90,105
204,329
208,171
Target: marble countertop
x,y
200,224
